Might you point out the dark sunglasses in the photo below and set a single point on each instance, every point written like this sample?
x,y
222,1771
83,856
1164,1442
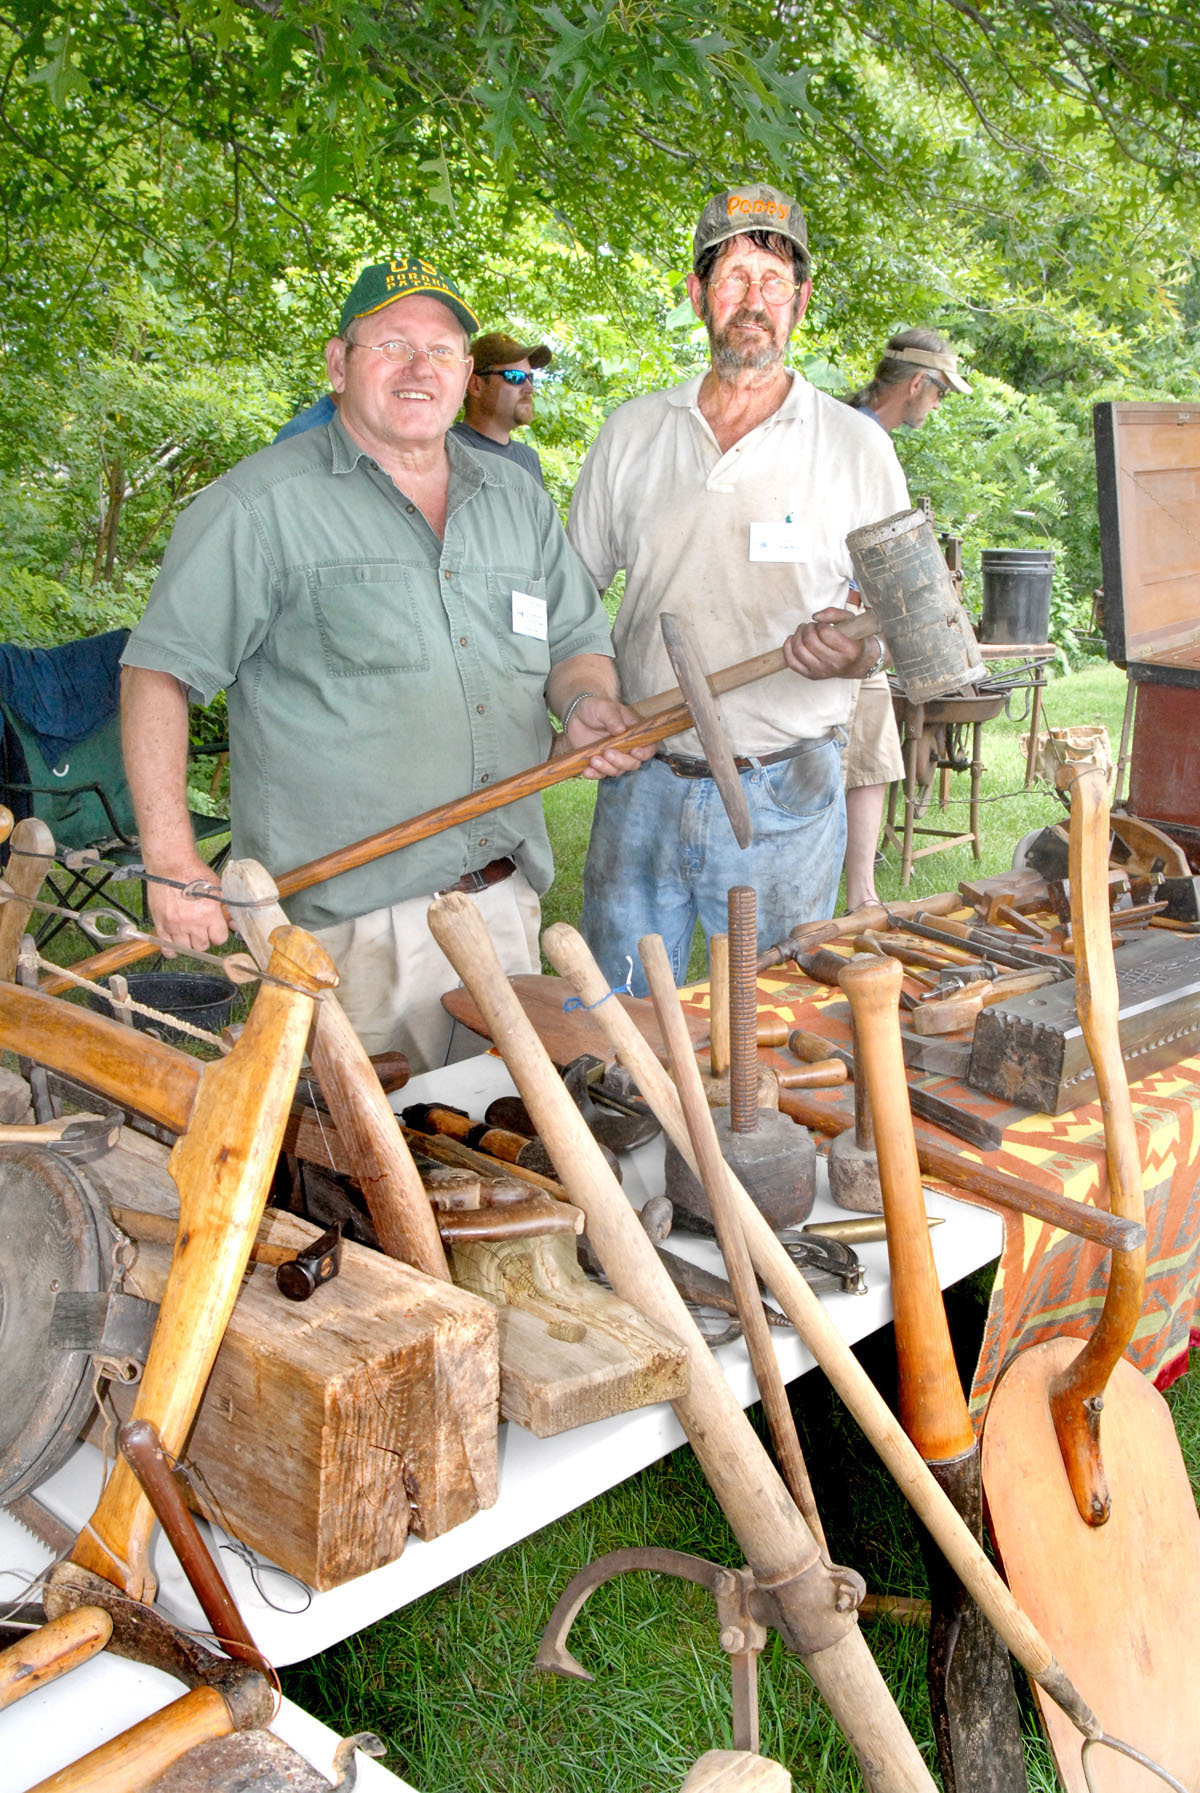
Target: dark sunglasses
x,y
512,376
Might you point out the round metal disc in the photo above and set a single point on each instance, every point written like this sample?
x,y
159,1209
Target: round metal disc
x,y
52,1240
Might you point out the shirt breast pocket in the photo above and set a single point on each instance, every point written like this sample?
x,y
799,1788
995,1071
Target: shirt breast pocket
x,y
368,620
525,655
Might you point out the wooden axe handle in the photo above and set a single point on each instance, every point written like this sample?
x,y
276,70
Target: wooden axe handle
x,y
933,1409
662,716
130,1762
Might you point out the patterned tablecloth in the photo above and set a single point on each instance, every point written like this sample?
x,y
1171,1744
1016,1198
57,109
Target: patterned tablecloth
x,y
1050,1283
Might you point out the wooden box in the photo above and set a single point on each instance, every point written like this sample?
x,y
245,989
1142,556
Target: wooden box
x,y
333,1426
1148,484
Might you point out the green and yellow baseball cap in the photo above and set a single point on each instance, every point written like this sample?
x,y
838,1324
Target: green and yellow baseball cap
x,y
385,281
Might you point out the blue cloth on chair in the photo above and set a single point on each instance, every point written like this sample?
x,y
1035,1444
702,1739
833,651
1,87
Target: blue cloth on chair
x,y
63,694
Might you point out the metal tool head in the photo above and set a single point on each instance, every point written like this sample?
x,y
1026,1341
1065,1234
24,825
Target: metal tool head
x,y
706,721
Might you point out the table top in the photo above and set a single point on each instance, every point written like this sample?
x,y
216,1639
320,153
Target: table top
x,y
540,1479
54,1726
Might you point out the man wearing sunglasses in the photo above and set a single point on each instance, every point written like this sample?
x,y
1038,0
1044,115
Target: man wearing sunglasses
x,y
915,372
728,500
500,398
391,616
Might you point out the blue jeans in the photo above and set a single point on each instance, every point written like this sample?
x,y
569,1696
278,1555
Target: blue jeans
x,y
662,853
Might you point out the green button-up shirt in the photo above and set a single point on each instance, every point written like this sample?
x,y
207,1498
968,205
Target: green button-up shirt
x,y
372,671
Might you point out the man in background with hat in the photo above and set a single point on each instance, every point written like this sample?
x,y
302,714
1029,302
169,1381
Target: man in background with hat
x,y
728,500
916,370
500,398
390,615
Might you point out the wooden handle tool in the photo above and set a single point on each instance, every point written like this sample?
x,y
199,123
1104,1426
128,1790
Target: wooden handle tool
x,y
382,1163
1077,1396
569,953
777,1543
970,1684
223,1166
130,1762
54,1649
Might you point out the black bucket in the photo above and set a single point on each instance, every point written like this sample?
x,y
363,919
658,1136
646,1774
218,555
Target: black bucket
x,y
1016,594
193,996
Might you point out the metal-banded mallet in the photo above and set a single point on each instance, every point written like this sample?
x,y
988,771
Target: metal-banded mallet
x,y
774,1159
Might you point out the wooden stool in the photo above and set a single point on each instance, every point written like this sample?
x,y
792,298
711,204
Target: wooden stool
x,y
916,722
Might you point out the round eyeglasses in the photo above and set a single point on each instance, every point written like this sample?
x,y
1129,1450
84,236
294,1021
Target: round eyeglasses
x,y
512,376
400,353
773,287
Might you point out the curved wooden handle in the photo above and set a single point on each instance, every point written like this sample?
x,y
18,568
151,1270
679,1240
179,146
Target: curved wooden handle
x,y
1076,1395
933,1408
222,1166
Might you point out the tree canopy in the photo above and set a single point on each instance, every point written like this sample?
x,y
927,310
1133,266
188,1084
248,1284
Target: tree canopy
x,y
190,185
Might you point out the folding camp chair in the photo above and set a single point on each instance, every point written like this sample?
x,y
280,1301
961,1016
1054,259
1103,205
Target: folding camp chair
x,y
61,761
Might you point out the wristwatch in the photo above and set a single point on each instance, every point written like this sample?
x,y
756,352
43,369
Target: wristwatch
x,y
883,654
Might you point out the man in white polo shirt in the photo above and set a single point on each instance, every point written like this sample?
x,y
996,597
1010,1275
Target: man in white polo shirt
x,y
728,500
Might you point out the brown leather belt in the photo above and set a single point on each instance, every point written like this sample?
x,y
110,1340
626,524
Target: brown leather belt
x,y
683,767
484,878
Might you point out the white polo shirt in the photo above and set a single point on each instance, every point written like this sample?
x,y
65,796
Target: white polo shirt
x,y
744,546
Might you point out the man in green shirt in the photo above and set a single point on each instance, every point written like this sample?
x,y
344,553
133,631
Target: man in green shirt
x,y
390,615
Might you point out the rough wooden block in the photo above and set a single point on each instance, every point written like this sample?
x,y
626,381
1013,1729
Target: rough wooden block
x,y
570,1350
331,1427
727,1769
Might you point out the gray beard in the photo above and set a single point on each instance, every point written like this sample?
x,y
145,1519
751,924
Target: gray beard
x,y
728,357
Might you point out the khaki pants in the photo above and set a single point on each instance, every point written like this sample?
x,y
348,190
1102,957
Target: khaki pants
x,y
872,754
393,973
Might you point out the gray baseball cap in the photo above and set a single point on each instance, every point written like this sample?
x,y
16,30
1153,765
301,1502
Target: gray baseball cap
x,y
740,209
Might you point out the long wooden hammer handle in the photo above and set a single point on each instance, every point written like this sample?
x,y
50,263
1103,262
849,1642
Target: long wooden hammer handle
x,y
933,1408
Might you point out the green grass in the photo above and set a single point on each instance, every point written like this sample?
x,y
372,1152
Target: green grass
x,y
448,1681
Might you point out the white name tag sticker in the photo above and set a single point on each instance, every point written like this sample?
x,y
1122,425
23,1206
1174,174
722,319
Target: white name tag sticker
x,y
529,615
778,541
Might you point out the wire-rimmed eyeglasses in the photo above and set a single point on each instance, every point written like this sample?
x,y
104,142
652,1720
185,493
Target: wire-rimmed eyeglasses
x,y
773,287
400,353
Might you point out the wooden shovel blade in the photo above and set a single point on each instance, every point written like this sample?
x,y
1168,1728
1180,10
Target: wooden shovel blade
x,y
1119,1604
